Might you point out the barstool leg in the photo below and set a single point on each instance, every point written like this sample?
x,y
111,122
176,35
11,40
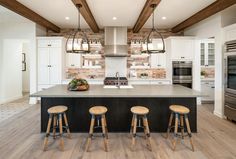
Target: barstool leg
x,y
182,125
54,125
90,133
189,131
176,130
61,133
106,126
132,125
169,125
47,132
147,132
134,131
67,126
104,134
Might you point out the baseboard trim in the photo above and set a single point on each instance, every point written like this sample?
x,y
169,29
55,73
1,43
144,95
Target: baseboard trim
x,y
11,99
218,114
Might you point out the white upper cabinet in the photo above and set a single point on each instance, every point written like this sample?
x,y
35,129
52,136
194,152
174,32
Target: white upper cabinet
x,y
50,54
207,52
73,60
181,48
50,43
158,60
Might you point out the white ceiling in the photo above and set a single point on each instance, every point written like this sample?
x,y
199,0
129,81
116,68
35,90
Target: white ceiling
x,y
126,11
7,16
176,11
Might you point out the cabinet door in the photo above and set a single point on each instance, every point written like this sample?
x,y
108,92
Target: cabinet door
x,y
153,61
55,65
161,60
211,54
203,53
55,43
207,88
182,49
43,66
73,60
188,49
139,82
160,82
43,43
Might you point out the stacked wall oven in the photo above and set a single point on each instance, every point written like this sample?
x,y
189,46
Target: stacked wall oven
x,y
182,73
230,80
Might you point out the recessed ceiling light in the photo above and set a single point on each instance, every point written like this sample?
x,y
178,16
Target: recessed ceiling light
x,y
164,18
114,18
67,18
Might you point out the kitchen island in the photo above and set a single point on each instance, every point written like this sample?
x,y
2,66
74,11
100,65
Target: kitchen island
x,y
157,98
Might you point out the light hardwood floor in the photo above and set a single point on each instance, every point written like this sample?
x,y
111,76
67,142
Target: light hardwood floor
x,y
20,138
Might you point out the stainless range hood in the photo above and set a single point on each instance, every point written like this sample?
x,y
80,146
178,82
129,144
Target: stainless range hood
x,y
116,42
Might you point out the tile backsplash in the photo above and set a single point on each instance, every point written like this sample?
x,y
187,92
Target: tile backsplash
x,y
84,73
100,72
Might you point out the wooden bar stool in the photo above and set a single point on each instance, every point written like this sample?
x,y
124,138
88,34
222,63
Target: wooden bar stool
x,y
180,113
98,113
55,115
140,112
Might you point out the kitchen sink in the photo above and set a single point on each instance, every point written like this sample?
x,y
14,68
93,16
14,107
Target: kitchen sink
x,y
108,86
121,87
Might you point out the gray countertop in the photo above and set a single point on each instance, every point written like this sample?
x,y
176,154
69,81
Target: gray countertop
x,y
137,91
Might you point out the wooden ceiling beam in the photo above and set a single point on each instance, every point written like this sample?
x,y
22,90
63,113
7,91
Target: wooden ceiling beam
x,y
145,14
87,14
22,10
210,10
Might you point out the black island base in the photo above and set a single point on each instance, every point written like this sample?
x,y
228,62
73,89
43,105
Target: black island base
x,y
119,114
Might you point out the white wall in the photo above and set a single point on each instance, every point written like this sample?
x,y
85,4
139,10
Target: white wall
x,y
228,16
26,73
11,70
211,27
22,33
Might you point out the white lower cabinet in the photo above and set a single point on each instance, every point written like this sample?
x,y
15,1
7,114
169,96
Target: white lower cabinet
x,y
208,88
160,82
138,82
149,81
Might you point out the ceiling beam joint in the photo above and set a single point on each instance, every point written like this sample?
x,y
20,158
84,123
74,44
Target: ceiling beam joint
x,y
87,14
145,14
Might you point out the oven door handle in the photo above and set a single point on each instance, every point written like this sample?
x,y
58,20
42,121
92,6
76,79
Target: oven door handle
x,y
230,107
182,81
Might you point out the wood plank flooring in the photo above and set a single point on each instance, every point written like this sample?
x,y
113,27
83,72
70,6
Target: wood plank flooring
x,y
20,139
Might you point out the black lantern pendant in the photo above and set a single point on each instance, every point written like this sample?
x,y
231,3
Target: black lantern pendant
x,y
154,34
78,41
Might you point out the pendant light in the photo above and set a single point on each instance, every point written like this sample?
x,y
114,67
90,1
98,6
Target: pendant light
x,y
154,34
78,42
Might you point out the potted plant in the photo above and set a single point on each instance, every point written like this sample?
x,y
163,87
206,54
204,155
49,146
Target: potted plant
x,y
203,73
78,84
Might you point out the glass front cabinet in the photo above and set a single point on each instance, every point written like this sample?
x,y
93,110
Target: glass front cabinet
x,y
207,52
